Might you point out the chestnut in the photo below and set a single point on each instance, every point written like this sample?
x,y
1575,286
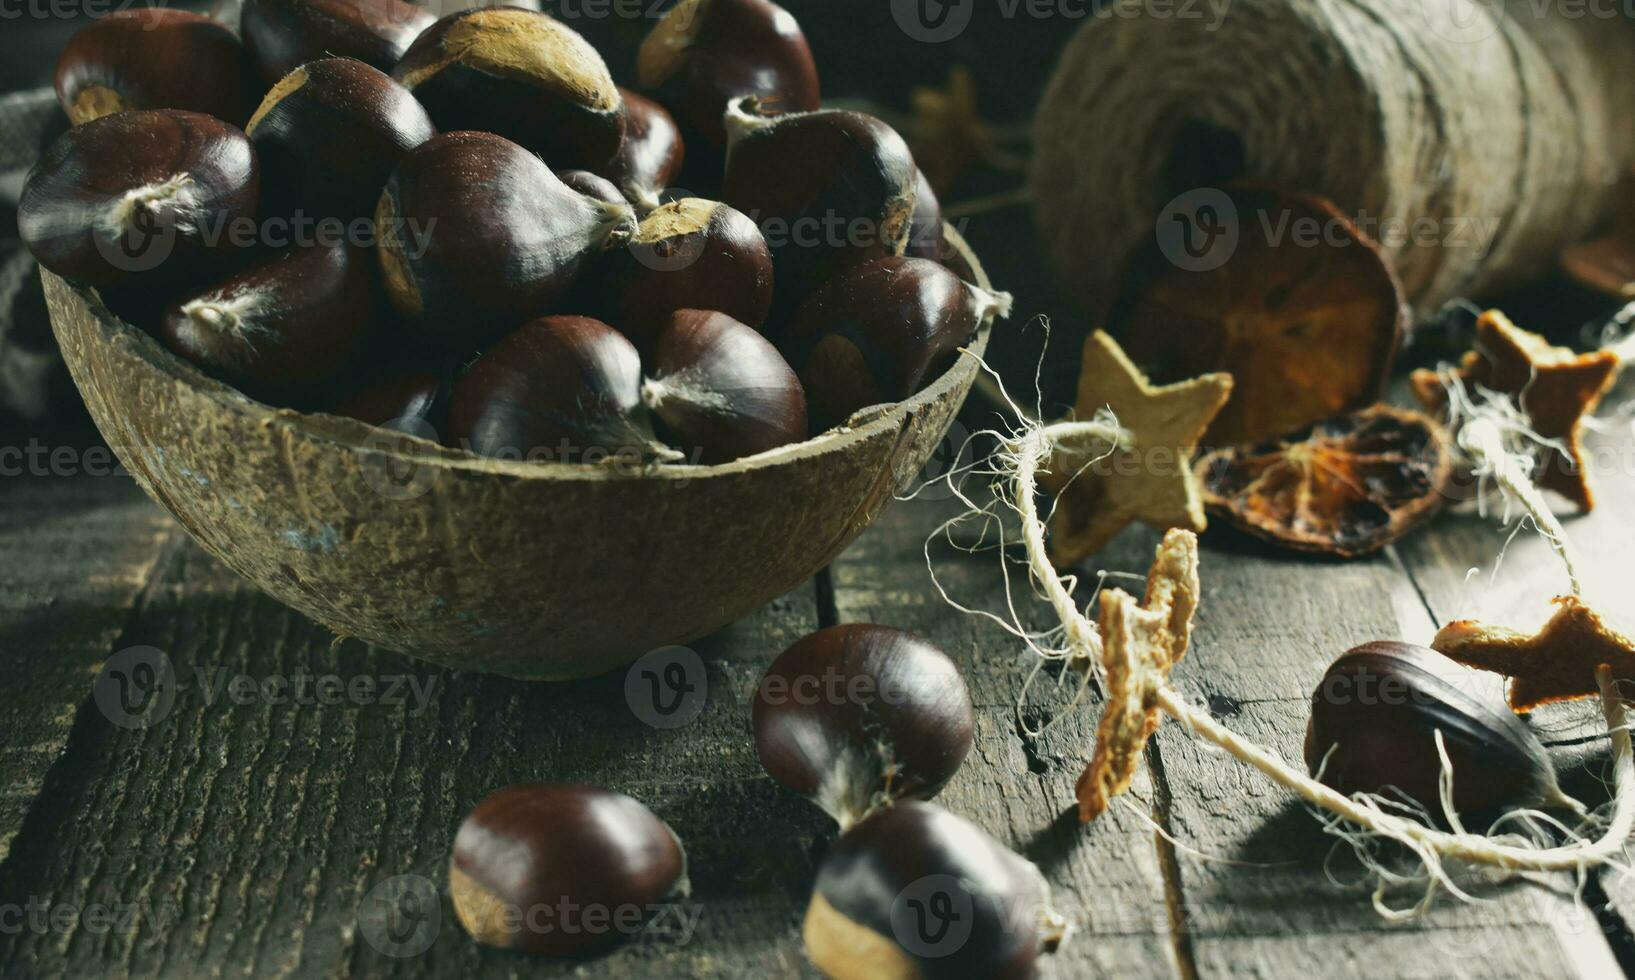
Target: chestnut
x,y
523,75
882,330
478,235
1373,724
155,58
330,134
560,870
413,402
283,35
282,325
591,185
925,228
827,188
717,51
651,154
720,391
856,717
566,389
691,254
138,193
914,891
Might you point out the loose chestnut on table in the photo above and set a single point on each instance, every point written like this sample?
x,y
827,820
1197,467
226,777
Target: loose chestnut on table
x,y
156,58
878,331
705,54
523,75
477,235
690,254
858,717
720,391
916,892
330,133
145,194
283,35
1373,726
560,870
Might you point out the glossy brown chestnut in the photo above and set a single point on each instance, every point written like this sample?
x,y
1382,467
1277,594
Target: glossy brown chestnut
x,y
827,188
415,403
560,870
711,52
882,330
283,35
914,891
691,254
925,228
591,185
564,389
856,717
329,135
477,235
1373,724
651,154
720,391
524,75
155,58
283,325
139,194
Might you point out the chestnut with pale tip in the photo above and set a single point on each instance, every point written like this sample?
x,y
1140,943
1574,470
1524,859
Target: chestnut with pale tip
x,y
156,58
720,391
1373,726
523,75
281,326
691,254
651,155
330,133
860,716
707,53
478,235
916,893
565,389
828,188
139,195
561,870
881,331
283,35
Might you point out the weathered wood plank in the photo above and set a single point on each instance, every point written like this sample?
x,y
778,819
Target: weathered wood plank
x,y
1110,883
79,550
249,835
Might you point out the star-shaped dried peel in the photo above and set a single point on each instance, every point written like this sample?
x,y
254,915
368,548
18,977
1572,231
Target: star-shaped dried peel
x,y
1141,644
1149,476
1556,664
1556,387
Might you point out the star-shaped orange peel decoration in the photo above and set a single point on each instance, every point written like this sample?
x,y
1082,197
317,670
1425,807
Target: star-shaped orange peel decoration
x,y
1141,644
1148,477
1556,664
1554,386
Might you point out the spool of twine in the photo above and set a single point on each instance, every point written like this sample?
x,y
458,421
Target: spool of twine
x,y
1474,138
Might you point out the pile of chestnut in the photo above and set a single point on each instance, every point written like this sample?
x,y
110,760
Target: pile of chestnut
x,y
466,224
867,722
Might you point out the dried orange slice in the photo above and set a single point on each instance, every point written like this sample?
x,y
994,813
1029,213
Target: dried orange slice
x,y
1279,290
1347,486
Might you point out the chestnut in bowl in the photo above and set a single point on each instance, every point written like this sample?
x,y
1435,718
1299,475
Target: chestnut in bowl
x,y
283,35
156,58
550,571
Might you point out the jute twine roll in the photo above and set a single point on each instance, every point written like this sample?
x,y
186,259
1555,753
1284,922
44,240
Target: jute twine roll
x,y
1475,138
